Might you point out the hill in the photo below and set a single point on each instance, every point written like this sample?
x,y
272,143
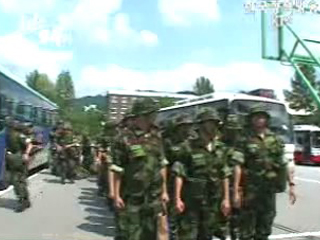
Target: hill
x,y
98,100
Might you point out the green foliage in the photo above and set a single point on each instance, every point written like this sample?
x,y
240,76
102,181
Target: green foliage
x,y
42,84
203,86
166,102
65,90
87,123
299,97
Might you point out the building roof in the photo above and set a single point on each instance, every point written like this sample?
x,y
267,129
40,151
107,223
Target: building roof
x,y
219,96
311,128
19,81
149,94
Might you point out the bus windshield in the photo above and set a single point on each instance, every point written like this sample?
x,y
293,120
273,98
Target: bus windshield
x,y
315,139
280,120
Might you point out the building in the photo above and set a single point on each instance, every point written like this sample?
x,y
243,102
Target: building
x,y
120,102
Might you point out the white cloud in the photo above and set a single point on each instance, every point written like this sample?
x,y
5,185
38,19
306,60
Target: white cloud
x,y
16,49
233,77
181,12
23,6
149,38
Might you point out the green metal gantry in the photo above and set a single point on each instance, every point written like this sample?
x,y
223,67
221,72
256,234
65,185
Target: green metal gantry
x,y
292,58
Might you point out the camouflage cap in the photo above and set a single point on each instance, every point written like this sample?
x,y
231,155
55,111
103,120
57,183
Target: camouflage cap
x,y
258,109
67,126
233,122
144,107
208,114
28,124
183,119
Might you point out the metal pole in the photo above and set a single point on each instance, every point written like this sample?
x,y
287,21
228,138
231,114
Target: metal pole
x,y
304,45
304,80
280,33
263,34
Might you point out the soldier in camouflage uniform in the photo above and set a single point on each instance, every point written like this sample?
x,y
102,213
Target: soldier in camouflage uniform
x,y
201,184
124,127
87,153
54,161
264,176
140,175
17,158
66,162
232,138
174,134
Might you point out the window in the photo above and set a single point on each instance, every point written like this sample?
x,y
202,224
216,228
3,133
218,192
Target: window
x,y
43,116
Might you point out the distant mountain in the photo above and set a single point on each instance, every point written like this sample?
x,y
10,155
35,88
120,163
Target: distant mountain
x,y
98,100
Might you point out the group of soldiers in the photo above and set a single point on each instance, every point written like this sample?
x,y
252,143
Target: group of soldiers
x,y
21,145
76,157
209,177
206,176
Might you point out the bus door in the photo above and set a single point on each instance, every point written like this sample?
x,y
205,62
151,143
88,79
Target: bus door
x,y
315,147
302,147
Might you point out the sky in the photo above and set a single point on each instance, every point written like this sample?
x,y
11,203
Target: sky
x,y
161,45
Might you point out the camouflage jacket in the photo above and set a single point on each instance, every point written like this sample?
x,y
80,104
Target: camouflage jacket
x,y
139,157
264,160
207,164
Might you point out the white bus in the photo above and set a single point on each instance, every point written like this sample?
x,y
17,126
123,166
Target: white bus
x,y
240,104
307,144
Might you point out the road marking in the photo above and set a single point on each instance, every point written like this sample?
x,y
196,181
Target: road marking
x,y
295,235
11,187
307,180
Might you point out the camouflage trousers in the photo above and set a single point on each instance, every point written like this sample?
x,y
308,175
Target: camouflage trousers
x,y
67,169
257,214
202,221
138,222
88,161
103,182
18,176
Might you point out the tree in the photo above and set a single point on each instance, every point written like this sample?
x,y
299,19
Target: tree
x,y
41,83
299,97
203,86
65,90
166,102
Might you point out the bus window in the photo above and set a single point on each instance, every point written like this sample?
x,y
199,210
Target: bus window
x,y
43,116
10,107
315,139
20,109
2,105
28,112
280,120
220,106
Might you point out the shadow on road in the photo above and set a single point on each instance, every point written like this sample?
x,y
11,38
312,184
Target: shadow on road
x,y
100,219
55,180
8,203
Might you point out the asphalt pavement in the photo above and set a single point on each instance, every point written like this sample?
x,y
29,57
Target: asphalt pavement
x,y
74,212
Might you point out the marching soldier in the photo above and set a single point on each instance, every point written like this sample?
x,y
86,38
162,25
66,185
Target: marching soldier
x,y
17,159
264,176
201,183
66,161
140,176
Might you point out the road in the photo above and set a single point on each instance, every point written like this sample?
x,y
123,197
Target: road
x,y
73,211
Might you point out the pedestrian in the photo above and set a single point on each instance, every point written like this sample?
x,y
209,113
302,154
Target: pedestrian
x,y
17,159
140,175
263,177
201,182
